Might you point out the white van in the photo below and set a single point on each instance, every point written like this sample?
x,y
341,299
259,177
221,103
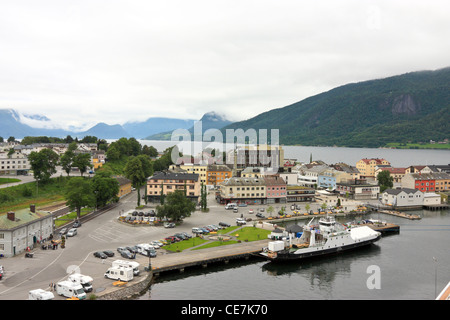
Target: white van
x,y
128,264
230,206
197,230
85,281
119,273
69,289
39,294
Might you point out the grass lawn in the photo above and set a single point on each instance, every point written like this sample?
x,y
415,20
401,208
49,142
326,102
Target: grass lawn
x,y
185,244
8,180
244,234
71,216
21,196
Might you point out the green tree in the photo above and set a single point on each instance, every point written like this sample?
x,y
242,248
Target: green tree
x,y
138,169
203,197
105,188
79,193
43,164
176,206
270,210
385,181
82,161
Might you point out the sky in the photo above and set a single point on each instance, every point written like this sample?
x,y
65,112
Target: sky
x,y
82,62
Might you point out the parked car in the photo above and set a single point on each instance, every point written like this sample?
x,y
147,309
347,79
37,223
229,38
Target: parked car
x,y
100,255
260,215
251,211
109,253
127,254
235,210
63,231
169,225
187,235
224,224
133,249
76,224
72,232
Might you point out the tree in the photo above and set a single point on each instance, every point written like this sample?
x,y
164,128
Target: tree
x,y
176,206
137,170
79,193
105,188
385,181
203,195
82,161
270,210
43,164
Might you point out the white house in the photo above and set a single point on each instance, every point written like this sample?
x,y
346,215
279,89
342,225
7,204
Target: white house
x,y
403,197
431,198
22,229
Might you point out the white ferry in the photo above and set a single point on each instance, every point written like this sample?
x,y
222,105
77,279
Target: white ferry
x,y
327,237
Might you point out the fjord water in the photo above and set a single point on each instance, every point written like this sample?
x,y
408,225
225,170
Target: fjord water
x,y
413,265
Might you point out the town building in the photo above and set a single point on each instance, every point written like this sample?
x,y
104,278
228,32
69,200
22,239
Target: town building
x,y
358,190
300,194
266,156
165,182
346,172
367,167
200,169
427,182
242,190
401,198
396,173
275,189
431,199
217,173
291,178
124,186
14,164
21,230
308,175
327,179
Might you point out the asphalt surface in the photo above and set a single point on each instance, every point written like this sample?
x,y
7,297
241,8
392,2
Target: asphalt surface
x,y
104,232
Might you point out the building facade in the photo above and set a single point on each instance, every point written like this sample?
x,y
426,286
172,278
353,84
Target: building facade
x,y
166,182
367,167
300,194
21,230
14,164
275,189
216,174
243,190
405,197
358,190
427,182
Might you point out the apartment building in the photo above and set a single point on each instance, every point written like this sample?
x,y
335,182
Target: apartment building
x,y
243,190
217,173
275,189
165,182
14,164
367,167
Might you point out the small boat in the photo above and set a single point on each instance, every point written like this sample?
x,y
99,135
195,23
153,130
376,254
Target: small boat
x,y
328,237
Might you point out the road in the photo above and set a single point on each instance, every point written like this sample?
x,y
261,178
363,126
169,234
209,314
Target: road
x,y
104,232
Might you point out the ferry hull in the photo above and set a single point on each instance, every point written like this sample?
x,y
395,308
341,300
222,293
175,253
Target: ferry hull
x,y
285,255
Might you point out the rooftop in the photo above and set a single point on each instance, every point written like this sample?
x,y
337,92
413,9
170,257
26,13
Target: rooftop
x,y
21,217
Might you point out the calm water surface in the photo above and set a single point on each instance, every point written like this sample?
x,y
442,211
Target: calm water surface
x,y
405,261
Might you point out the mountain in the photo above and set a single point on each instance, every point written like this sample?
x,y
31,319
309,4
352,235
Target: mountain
x,y
104,131
151,126
210,120
410,107
13,124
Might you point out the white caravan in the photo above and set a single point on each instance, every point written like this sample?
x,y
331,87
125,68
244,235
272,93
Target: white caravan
x,y
85,281
119,273
39,294
129,264
69,289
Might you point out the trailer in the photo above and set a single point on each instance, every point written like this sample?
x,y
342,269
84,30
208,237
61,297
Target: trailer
x,y
40,294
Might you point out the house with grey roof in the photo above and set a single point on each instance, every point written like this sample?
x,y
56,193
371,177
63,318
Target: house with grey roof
x,y
401,198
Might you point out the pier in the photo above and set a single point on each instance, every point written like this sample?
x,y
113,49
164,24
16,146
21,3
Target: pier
x,y
202,258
